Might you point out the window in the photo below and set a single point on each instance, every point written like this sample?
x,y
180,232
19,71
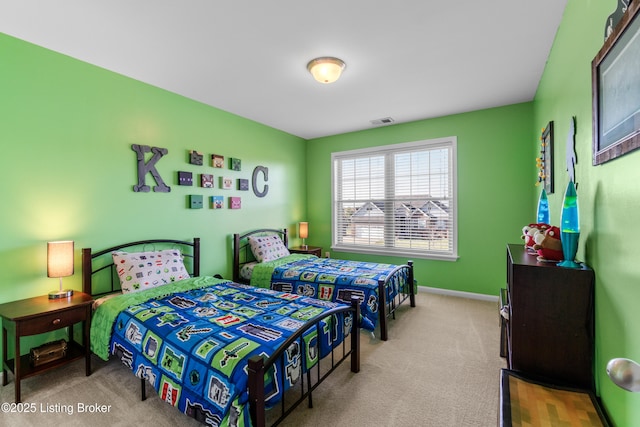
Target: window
x,y
396,200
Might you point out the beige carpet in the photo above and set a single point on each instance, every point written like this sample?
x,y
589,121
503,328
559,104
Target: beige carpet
x,y
440,367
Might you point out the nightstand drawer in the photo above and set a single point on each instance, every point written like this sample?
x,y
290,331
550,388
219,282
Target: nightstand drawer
x,y
53,321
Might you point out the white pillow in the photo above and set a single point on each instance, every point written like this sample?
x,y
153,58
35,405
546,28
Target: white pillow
x,y
267,248
145,270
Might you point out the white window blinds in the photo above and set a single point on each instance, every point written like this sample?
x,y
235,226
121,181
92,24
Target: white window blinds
x,y
398,199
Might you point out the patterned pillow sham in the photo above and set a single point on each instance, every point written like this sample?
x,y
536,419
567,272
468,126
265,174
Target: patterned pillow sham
x,y
145,270
268,248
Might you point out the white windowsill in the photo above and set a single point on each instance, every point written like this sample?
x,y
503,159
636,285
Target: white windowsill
x,y
399,253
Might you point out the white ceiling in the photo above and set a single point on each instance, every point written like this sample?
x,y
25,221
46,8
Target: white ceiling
x,y
406,59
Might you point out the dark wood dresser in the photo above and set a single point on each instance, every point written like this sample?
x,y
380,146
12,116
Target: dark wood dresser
x,y
549,333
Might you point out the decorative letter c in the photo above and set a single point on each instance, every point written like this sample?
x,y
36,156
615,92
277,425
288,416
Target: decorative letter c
x,y
254,180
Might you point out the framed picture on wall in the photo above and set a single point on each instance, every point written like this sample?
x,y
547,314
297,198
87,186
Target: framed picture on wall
x,y
615,75
546,155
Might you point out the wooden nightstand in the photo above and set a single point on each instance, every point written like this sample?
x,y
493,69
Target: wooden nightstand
x,y
38,315
312,250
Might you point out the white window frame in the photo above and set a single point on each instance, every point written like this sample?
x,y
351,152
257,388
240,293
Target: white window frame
x,y
450,143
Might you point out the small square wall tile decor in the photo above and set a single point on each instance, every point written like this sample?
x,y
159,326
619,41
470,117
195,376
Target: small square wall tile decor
x,y
217,202
235,202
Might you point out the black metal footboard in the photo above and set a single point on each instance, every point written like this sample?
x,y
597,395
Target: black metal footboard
x,y
308,382
406,289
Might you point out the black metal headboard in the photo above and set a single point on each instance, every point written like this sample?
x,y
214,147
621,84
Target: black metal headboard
x,y
94,263
242,251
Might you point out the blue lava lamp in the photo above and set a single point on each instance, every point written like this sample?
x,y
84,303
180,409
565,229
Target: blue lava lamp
x,y
543,208
570,227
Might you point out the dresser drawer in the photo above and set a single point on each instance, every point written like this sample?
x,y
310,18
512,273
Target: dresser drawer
x,y
53,321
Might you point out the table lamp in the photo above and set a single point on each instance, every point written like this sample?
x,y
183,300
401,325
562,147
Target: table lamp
x,y
570,227
304,232
60,264
543,208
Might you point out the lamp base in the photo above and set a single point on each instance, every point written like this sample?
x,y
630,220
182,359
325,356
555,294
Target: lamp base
x,y
569,264
63,293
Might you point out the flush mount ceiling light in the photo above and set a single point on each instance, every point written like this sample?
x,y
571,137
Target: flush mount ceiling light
x,y
326,69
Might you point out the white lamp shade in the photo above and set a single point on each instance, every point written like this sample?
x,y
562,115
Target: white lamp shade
x,y
326,69
304,230
60,258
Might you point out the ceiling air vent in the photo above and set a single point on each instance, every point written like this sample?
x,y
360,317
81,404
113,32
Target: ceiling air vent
x,y
383,121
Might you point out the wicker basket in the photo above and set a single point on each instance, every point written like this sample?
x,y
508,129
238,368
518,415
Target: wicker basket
x,y
48,352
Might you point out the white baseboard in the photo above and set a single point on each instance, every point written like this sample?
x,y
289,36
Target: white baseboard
x,y
460,294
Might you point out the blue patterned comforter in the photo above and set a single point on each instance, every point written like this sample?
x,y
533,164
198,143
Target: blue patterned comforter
x,y
331,279
193,342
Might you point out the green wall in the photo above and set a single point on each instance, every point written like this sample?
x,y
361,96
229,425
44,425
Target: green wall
x,y
67,169
609,197
495,186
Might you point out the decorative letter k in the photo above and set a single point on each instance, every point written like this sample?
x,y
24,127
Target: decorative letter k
x,y
150,167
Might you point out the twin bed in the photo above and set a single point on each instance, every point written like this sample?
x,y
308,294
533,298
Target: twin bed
x,y
220,351
261,258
